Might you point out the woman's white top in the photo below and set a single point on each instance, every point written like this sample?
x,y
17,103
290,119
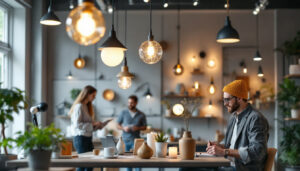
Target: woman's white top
x,y
81,121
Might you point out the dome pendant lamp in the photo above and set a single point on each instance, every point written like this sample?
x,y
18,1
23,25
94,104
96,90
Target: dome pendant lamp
x,y
178,68
85,23
112,50
257,56
228,34
50,19
260,72
125,77
150,51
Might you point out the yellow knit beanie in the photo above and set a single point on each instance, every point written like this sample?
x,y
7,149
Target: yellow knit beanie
x,y
237,88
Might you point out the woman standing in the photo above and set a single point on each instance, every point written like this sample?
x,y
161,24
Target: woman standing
x,y
82,120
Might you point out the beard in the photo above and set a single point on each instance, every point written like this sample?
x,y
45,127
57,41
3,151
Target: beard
x,y
233,108
131,107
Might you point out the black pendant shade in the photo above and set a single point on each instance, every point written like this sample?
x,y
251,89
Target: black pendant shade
x,y
260,72
257,56
228,34
50,18
112,41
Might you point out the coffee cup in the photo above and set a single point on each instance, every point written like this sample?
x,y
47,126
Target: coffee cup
x,y
109,152
96,152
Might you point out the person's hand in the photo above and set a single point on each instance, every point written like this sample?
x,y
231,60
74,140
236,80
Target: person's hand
x,y
97,125
211,143
215,150
126,128
134,128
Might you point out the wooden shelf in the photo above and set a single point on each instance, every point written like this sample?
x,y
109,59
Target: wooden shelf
x,y
181,96
292,119
292,76
196,117
197,72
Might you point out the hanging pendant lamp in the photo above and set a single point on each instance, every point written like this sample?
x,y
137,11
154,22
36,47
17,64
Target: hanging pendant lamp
x,y
85,23
228,34
125,77
148,93
260,72
178,68
212,87
112,50
257,56
150,51
50,19
79,62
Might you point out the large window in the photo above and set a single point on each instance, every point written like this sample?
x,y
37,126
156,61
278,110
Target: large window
x,y
4,44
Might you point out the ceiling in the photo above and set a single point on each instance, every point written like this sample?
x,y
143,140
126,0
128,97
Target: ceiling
x,y
63,5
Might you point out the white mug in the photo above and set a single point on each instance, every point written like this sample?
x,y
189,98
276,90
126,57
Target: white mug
x,y
109,152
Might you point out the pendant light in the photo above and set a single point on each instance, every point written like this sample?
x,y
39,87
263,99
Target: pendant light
x,y
260,72
69,75
212,87
85,23
228,34
124,77
79,62
50,19
150,51
257,56
244,67
112,50
178,68
148,93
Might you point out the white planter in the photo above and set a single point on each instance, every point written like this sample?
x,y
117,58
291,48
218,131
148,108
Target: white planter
x,y
168,112
161,149
295,113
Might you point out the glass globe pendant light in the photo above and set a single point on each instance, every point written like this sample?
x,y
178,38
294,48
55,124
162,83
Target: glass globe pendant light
x,y
150,51
85,24
112,50
178,68
50,19
228,34
79,62
257,56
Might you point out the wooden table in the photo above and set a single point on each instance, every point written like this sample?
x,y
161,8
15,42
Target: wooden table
x,y
89,160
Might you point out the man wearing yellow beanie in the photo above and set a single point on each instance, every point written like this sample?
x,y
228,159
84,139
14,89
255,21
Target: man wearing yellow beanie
x,y
247,131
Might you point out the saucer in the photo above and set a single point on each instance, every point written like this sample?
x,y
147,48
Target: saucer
x,y
111,157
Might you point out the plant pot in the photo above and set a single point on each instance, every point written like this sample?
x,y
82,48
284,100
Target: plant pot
x,y
187,146
4,158
161,149
295,113
145,152
292,168
168,112
39,159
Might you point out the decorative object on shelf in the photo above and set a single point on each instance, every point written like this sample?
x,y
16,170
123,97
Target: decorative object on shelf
x,y
257,56
69,75
187,146
173,152
178,109
189,107
108,95
120,146
212,87
161,145
228,34
85,23
112,50
178,68
211,63
125,77
288,97
144,152
180,89
168,111
195,113
50,19
244,67
63,107
151,140
260,72
294,69
197,67
150,51
209,114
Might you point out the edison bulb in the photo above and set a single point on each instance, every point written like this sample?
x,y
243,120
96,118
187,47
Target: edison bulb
x,y
212,89
211,63
178,69
178,109
150,52
112,56
79,63
124,82
196,85
85,24
245,70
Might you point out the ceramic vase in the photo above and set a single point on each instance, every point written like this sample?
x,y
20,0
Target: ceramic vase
x,y
145,152
295,113
151,141
120,146
187,146
161,149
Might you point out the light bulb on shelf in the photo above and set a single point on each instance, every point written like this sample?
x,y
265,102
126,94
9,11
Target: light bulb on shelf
x,y
178,109
124,82
85,24
150,51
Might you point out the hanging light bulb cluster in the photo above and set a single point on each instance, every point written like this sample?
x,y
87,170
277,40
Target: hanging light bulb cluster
x,y
150,51
178,68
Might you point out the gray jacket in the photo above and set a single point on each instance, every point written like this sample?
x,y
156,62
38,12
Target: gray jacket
x,y
251,141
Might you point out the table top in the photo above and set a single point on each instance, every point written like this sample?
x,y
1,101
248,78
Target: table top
x,y
90,160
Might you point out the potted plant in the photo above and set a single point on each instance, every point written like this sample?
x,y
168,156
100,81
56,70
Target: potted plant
x,y
289,98
168,111
161,145
290,148
38,143
11,102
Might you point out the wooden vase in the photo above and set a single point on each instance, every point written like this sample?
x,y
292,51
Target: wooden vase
x,y
187,146
145,152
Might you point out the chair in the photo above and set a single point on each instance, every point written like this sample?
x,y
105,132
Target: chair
x,y
270,158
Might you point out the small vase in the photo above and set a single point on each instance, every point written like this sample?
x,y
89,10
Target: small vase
x,y
187,146
145,152
120,146
161,149
151,141
295,113
168,112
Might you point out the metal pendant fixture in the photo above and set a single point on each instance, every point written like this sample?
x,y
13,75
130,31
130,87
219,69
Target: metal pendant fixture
x,y
85,24
257,56
260,72
50,19
148,93
150,51
125,77
112,50
228,34
178,68
69,75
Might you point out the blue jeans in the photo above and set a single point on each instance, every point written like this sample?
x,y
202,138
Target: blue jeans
x,y
128,146
83,144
